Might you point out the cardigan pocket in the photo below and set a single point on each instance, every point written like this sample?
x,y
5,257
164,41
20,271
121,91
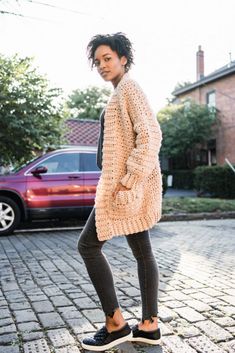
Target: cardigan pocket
x,y
128,201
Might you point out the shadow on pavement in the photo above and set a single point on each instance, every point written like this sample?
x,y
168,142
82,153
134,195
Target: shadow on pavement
x,y
134,348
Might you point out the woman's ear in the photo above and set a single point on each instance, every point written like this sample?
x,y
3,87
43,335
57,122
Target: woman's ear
x,y
123,60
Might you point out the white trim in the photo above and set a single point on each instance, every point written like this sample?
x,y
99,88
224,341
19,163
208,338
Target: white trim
x,y
107,346
145,340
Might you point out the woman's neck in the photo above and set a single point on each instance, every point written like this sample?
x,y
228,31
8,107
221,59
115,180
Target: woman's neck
x,y
117,79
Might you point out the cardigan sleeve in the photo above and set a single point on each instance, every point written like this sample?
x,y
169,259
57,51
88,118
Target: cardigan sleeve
x,y
143,157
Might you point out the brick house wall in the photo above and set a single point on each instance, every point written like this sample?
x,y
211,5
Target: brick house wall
x,y
224,89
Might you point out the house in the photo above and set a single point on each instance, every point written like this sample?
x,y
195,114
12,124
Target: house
x,y
216,90
82,132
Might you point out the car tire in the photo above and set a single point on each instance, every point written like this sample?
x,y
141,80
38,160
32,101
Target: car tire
x,y
9,215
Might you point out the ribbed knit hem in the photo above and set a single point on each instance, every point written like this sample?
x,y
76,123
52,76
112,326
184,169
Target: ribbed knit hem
x,y
128,226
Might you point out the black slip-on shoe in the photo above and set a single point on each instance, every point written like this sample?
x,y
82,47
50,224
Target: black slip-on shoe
x,y
150,337
103,339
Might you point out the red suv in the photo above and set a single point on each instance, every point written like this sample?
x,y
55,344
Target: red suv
x,y
58,184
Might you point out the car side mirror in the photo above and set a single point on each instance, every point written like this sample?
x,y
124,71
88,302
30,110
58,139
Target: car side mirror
x,y
39,170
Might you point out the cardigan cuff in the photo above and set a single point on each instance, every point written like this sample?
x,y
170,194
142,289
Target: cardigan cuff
x,y
129,180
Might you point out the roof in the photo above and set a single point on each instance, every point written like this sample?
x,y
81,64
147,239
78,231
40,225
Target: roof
x,y
215,75
82,132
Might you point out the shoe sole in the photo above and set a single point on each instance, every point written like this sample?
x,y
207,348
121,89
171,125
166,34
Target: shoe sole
x,y
145,340
107,346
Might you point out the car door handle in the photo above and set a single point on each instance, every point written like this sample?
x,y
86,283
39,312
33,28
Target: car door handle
x,y
74,176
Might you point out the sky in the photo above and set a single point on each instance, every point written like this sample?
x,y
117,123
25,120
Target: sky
x,y
165,35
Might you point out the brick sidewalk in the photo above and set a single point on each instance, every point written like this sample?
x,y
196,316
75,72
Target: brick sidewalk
x,y
47,302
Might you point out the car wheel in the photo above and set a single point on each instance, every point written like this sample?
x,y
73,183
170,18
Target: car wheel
x,y
9,215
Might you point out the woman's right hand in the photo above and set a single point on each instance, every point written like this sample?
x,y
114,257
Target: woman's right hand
x,y
119,187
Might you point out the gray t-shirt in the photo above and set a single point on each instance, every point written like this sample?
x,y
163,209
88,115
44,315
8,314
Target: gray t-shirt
x,y
99,154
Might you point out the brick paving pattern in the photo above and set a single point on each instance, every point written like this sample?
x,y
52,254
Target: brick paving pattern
x,y
47,303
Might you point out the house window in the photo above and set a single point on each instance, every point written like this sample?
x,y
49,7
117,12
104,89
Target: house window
x,y
211,145
88,162
210,99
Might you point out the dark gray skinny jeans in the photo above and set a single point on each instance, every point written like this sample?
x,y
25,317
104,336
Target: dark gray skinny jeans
x,y
100,272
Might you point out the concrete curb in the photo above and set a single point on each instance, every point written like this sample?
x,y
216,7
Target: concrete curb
x,y
196,216
170,217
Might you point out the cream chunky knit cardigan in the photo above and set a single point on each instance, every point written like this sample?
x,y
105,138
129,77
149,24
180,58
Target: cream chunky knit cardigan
x,y
132,139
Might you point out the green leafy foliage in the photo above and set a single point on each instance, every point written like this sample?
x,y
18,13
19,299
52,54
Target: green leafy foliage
x,y
164,184
218,181
183,84
31,113
88,103
182,179
185,125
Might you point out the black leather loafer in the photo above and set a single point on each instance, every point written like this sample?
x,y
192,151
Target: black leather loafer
x,y
103,340
150,337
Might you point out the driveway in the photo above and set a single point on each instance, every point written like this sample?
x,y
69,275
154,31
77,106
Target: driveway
x,y
47,302
180,193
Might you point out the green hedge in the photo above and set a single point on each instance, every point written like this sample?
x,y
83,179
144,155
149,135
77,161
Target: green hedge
x,y
182,179
217,181
164,184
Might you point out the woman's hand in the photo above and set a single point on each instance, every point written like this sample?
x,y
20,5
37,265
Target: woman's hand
x,y
118,188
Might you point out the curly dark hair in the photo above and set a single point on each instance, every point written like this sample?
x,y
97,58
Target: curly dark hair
x,y
118,42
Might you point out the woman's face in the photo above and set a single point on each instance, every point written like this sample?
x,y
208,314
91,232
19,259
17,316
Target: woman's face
x,y
109,65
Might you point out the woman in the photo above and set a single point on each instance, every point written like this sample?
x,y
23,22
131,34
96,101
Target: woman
x,y
128,196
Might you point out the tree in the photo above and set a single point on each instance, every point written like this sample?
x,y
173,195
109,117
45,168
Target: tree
x,y
6,12
183,84
88,103
184,126
31,113
178,86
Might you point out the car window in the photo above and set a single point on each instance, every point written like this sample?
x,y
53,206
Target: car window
x,y
88,162
16,169
61,163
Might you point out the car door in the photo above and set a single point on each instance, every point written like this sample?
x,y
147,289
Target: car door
x,y
60,188
91,175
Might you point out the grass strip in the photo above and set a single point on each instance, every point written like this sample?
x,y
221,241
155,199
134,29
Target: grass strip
x,y
196,205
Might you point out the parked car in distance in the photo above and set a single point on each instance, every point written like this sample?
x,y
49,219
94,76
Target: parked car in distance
x,y
58,184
